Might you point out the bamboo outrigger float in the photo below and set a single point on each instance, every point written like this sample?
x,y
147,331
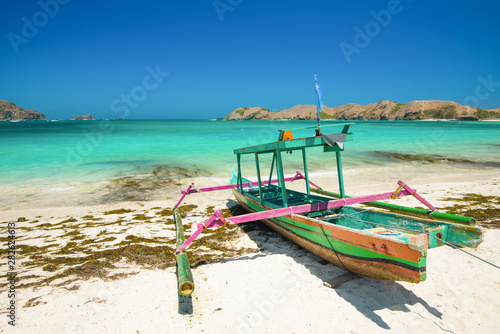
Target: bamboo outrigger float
x,y
364,241
184,275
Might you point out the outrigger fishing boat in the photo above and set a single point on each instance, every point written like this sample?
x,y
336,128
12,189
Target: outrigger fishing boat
x,y
352,233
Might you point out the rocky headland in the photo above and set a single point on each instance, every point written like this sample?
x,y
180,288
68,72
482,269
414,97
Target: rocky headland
x,y
9,111
383,110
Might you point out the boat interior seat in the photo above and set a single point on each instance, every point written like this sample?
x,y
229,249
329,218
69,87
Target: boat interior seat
x,y
376,230
383,231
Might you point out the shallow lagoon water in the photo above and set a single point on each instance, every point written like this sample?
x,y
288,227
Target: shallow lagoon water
x,y
46,163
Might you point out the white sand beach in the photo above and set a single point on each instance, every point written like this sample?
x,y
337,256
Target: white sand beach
x,y
275,288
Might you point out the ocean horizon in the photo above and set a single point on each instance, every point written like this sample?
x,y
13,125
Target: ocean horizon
x,y
57,163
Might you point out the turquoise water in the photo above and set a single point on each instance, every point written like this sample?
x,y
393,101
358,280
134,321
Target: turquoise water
x,y
40,155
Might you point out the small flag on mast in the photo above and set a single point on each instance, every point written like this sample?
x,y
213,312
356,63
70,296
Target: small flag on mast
x,y
320,102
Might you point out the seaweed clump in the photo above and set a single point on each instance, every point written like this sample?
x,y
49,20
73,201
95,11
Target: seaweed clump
x,y
117,212
98,263
183,210
79,257
485,209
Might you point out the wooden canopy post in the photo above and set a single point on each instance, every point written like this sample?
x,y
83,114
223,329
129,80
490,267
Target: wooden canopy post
x,y
306,173
258,177
240,177
281,177
272,167
340,175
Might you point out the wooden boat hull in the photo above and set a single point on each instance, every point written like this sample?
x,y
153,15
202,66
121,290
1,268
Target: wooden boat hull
x,y
361,252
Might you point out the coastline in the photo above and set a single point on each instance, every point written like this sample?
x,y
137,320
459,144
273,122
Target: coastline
x,y
263,264
141,189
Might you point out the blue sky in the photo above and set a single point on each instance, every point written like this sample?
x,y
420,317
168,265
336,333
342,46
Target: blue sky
x,y
202,59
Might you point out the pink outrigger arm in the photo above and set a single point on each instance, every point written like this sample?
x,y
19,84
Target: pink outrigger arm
x,y
191,189
217,220
417,196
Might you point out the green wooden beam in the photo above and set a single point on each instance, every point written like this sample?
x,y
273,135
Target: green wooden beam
x,y
287,145
240,177
400,208
323,126
258,177
272,167
306,173
340,175
281,177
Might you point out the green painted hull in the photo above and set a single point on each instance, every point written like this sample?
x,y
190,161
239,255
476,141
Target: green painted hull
x,y
355,240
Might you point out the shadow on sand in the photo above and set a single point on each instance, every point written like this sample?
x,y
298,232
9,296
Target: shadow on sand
x,y
185,305
366,295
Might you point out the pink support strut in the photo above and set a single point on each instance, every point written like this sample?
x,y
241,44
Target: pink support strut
x,y
191,189
209,223
184,193
417,196
300,176
299,209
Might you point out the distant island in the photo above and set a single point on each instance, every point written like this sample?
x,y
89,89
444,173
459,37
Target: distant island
x,y
87,117
383,110
9,111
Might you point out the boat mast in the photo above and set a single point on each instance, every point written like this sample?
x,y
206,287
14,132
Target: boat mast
x,y
320,104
